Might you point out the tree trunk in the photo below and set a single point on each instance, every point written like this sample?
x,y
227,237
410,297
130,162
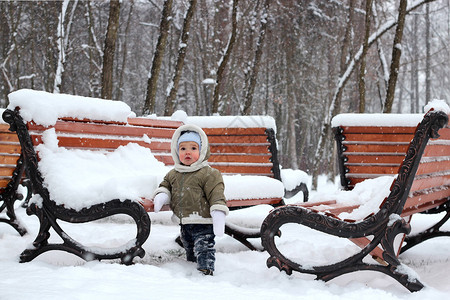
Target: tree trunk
x,y
170,99
225,59
255,68
110,48
152,83
428,55
125,51
396,53
362,69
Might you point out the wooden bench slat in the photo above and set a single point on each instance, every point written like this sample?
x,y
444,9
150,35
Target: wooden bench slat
x,y
234,131
427,182
10,148
7,171
373,158
239,149
373,138
432,167
237,139
371,148
147,122
103,129
101,144
436,150
371,169
256,170
428,201
239,158
9,159
6,138
379,129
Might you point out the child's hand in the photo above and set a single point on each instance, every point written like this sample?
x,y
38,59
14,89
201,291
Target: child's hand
x,y
218,217
159,200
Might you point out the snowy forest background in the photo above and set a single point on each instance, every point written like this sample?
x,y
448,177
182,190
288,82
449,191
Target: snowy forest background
x,y
301,62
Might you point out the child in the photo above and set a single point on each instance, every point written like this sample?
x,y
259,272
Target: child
x,y
195,192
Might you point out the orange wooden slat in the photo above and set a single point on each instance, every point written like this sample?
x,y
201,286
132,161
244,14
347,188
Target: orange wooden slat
x,y
235,131
244,169
10,148
444,133
436,150
9,159
432,167
368,169
371,148
379,129
240,158
103,129
147,122
251,202
427,182
4,182
422,202
374,159
371,137
8,137
90,143
224,149
410,210
237,139
167,160
7,171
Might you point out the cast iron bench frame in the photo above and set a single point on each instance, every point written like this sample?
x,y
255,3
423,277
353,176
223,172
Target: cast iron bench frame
x,y
384,225
49,212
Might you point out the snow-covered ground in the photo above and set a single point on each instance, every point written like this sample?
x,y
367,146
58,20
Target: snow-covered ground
x,y
240,273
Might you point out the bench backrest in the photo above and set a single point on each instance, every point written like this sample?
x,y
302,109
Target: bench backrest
x,y
107,136
372,151
9,154
248,151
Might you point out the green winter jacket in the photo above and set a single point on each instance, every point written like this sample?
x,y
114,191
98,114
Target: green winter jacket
x,y
196,190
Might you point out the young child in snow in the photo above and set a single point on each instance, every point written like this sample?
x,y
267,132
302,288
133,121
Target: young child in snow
x,y
195,192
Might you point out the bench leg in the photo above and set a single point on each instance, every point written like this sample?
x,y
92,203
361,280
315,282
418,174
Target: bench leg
x,y
49,214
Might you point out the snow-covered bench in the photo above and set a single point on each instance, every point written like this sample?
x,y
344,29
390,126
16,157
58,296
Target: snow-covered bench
x,y
127,157
74,185
382,194
11,176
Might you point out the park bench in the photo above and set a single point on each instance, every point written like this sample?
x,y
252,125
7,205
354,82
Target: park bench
x,y
416,157
11,175
52,211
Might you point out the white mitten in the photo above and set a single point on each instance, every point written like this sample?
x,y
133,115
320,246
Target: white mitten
x,y
218,217
159,200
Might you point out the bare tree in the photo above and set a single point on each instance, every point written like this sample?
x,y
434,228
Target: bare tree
x,y
152,83
249,91
180,60
225,58
362,69
110,48
396,53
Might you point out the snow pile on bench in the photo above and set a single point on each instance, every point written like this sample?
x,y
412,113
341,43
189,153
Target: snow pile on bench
x,y
388,120
45,108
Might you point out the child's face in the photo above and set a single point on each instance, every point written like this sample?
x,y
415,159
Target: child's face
x,y
188,153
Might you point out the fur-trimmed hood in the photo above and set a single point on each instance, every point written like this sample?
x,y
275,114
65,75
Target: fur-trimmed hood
x,y
204,151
